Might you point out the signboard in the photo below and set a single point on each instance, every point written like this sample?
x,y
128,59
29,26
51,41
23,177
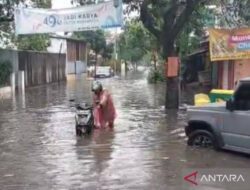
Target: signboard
x,y
172,67
229,44
91,17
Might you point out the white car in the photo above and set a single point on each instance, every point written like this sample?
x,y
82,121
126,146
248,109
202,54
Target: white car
x,y
103,72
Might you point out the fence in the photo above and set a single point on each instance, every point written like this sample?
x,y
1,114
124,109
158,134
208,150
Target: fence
x,y
42,68
39,68
8,64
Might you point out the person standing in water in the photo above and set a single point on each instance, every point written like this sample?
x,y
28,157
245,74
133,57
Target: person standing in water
x,y
104,109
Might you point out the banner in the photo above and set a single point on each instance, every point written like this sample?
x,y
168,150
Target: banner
x,y
229,44
91,17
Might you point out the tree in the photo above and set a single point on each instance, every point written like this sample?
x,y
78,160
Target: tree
x,y
108,51
32,42
7,7
135,42
193,31
234,13
166,19
96,40
36,42
86,2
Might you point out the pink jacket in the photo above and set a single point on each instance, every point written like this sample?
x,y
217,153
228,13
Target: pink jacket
x,y
107,112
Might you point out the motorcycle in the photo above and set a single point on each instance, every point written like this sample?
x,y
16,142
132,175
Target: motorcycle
x,y
84,119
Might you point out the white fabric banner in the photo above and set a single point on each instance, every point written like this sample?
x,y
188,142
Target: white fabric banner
x,y
91,17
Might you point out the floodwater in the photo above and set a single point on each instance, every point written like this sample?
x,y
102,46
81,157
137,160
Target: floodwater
x,y
146,151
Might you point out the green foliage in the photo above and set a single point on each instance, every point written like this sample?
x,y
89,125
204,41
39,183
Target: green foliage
x,y
36,42
173,22
97,42
155,76
114,64
193,31
84,2
7,7
135,42
42,3
7,36
108,51
234,13
5,71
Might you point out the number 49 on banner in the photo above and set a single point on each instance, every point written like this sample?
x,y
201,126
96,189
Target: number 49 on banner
x,y
172,67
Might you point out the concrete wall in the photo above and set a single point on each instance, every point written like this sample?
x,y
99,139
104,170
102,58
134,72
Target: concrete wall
x,y
55,45
5,91
241,70
225,73
230,72
76,67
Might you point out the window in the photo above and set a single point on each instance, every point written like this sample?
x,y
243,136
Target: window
x,y
242,97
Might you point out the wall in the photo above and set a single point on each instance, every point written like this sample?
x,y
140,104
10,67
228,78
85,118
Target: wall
x,y
76,67
225,75
215,68
76,57
241,70
5,92
42,68
55,45
76,51
10,55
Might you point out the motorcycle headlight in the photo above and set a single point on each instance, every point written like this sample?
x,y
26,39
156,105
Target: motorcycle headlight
x,y
83,120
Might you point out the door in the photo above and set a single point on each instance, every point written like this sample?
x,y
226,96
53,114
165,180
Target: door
x,y
236,129
236,126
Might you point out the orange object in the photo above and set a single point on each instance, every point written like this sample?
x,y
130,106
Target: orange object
x,y
172,67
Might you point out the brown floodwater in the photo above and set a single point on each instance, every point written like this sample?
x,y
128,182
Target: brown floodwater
x,y
146,150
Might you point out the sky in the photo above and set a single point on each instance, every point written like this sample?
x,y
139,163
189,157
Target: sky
x,y
59,4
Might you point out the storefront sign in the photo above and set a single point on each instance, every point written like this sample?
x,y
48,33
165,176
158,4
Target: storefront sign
x,y
229,44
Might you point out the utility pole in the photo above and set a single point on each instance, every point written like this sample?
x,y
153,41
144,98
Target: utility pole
x,y
116,5
58,63
96,56
116,55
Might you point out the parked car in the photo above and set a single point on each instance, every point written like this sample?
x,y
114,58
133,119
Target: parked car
x,y
101,71
222,125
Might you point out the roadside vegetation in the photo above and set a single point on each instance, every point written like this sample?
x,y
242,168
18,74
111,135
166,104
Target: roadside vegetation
x,y
5,71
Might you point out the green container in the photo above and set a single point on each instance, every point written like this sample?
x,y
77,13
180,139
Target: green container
x,y
220,95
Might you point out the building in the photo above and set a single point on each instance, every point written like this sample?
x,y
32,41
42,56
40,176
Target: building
x,y
230,72
75,50
223,74
197,65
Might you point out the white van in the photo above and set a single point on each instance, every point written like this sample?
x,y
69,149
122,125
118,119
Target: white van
x,y
103,72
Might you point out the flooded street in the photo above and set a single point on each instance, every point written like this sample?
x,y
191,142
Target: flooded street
x,y
145,151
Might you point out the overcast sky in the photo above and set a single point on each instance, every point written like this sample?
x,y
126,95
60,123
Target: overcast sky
x,y
58,4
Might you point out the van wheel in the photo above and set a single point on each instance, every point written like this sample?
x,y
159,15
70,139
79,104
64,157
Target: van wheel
x,y
201,138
